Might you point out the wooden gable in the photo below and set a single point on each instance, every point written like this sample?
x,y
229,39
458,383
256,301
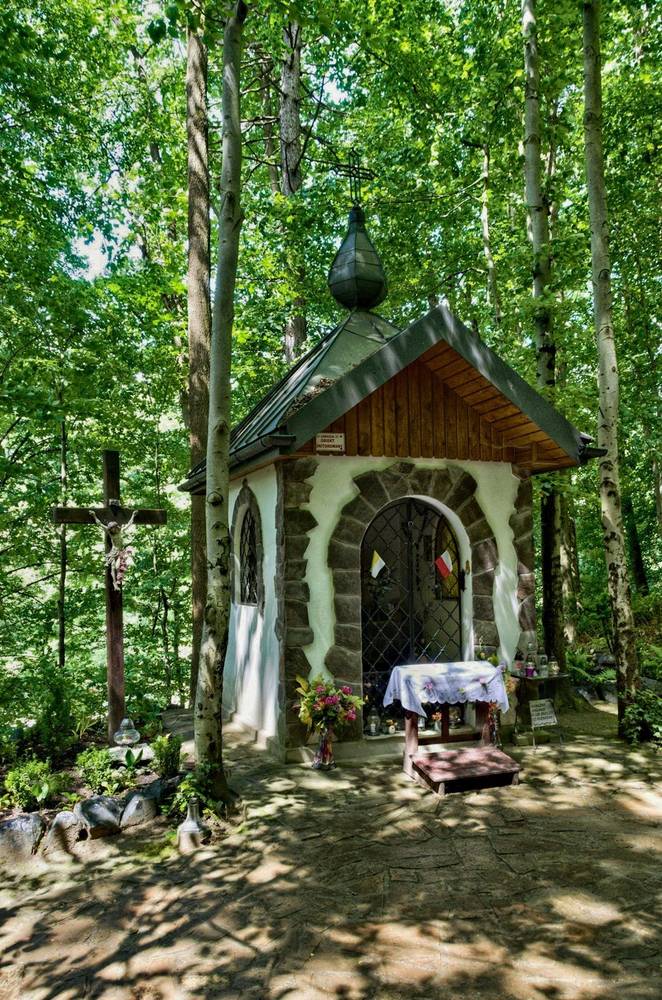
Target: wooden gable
x,y
439,406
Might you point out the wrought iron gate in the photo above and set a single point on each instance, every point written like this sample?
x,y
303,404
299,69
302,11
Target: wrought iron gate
x,y
410,613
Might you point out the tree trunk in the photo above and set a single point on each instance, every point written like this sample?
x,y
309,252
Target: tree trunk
x,y
538,219
536,203
61,619
290,163
492,286
634,544
199,318
657,484
266,68
569,569
610,494
208,718
552,583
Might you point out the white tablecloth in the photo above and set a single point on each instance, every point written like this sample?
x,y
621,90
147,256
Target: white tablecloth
x,y
447,683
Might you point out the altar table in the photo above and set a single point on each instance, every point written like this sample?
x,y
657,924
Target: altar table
x,y
443,683
446,683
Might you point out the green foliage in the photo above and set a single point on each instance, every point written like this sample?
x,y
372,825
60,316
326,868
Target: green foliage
x,y
93,250
651,661
642,721
167,753
585,672
196,784
96,769
132,762
32,783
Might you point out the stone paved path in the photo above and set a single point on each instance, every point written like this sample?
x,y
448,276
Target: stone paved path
x,y
360,885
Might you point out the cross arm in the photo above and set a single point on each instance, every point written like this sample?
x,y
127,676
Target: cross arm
x,y
82,515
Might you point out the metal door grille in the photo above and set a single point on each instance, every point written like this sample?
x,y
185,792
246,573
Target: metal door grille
x,y
410,614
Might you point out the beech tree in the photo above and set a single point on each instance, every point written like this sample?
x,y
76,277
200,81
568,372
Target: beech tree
x,y
208,718
608,387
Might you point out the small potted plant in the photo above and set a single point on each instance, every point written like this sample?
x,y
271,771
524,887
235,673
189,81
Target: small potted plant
x,y
325,708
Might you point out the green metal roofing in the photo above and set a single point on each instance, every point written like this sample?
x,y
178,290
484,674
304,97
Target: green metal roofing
x,y
354,340
356,358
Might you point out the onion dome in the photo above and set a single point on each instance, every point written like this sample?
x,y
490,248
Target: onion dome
x,y
356,279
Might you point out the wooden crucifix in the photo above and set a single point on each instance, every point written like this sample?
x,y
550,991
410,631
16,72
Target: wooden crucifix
x,y
112,517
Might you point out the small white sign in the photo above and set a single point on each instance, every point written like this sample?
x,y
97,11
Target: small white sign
x,y
334,444
542,713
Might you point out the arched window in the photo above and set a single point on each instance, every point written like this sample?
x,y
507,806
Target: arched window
x,y
248,585
248,560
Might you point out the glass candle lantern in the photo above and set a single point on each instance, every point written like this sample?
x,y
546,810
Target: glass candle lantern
x,y
127,735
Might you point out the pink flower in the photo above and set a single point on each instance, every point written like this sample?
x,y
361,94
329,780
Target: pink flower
x,y
332,699
318,705
351,714
320,689
346,689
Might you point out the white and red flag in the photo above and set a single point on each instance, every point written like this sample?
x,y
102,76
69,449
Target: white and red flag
x,y
444,564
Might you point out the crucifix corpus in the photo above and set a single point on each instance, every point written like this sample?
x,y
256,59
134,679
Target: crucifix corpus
x,y
115,520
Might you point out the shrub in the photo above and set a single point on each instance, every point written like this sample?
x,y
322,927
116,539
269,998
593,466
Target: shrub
x,y
32,783
196,785
651,661
96,770
642,720
167,752
585,671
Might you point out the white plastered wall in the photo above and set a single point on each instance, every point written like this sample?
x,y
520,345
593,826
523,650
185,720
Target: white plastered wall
x,y
333,487
250,690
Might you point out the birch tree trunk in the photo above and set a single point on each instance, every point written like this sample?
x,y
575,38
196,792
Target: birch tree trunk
x,y
208,719
538,216
290,172
492,286
199,318
610,493
62,581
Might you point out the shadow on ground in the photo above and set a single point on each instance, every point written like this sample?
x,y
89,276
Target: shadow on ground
x,y
360,885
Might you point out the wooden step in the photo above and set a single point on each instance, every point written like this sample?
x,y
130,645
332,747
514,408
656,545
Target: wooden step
x,y
464,770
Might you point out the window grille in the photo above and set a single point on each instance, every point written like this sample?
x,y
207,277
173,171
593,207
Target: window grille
x,y
248,566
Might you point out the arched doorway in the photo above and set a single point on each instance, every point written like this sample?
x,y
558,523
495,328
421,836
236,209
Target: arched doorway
x,y
411,592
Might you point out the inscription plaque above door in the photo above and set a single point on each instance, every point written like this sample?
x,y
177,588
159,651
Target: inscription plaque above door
x,y
332,444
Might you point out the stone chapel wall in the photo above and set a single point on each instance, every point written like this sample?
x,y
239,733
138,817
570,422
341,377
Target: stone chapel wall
x,y
325,505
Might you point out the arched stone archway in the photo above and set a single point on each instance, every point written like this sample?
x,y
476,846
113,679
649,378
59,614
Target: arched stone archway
x,y
452,487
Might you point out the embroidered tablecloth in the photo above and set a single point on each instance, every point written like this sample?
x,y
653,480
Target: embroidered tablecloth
x,y
446,683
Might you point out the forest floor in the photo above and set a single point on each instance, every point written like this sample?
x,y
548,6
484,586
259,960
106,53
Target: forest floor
x,y
358,884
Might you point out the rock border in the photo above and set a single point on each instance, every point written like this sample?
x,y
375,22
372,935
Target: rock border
x,y
26,834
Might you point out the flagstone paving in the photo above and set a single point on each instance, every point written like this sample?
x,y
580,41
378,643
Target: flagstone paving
x,y
359,885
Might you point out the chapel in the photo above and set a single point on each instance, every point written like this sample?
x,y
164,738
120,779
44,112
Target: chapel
x,y
381,508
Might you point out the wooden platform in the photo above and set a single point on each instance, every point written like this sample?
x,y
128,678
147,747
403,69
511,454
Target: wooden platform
x,y
464,770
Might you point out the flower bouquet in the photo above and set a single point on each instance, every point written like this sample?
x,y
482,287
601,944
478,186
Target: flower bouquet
x,y
325,708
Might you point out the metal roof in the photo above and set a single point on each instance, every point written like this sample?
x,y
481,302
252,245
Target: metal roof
x,y
356,358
